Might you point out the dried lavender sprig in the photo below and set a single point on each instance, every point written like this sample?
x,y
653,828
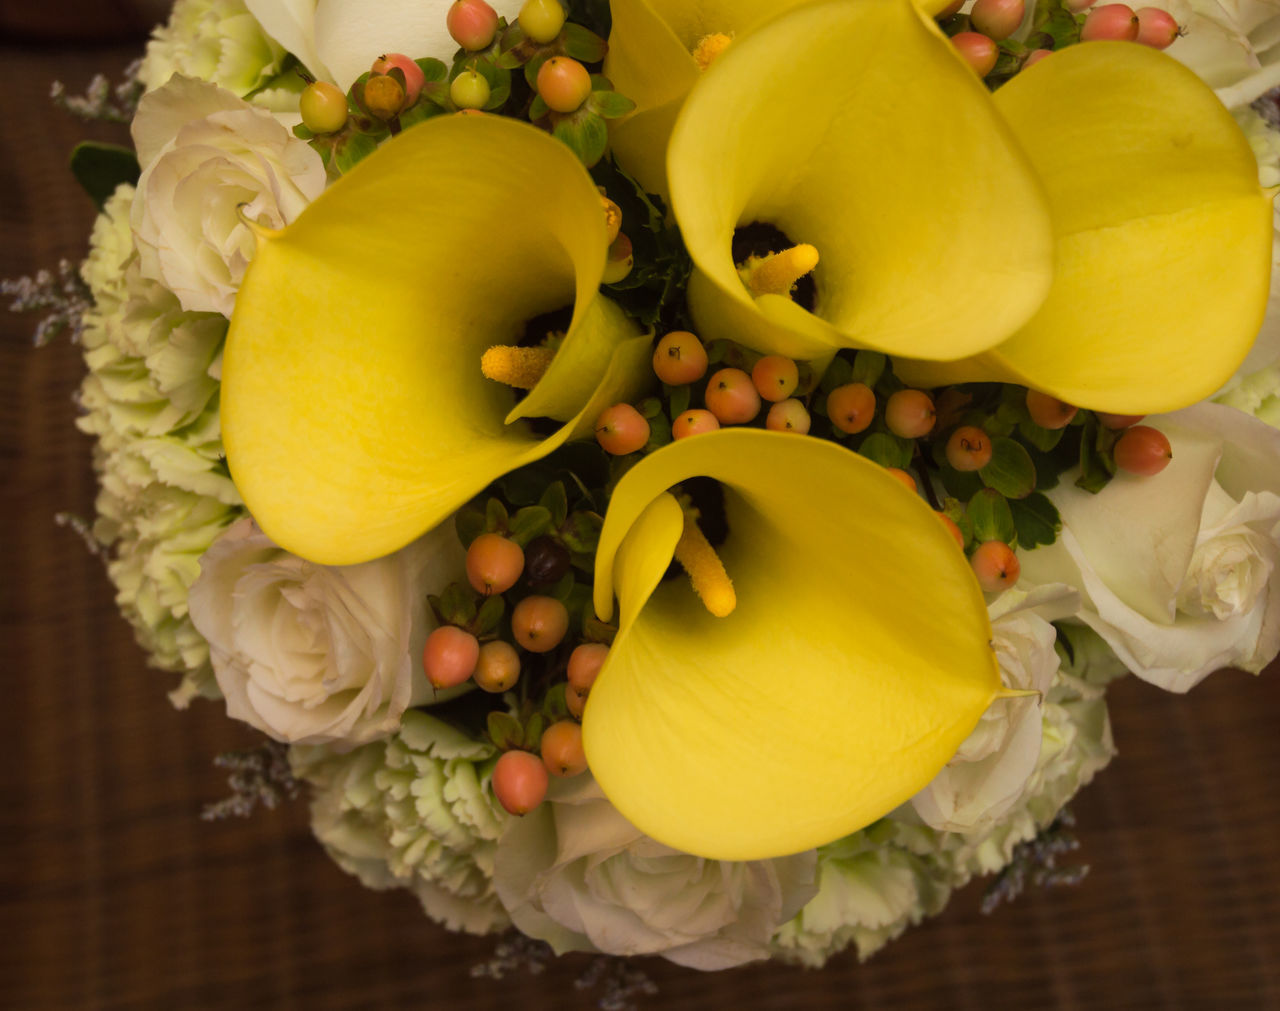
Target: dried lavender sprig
x,y
1035,862
64,298
96,102
514,951
623,983
259,775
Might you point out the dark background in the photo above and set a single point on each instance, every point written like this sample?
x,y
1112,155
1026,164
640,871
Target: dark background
x,y
114,894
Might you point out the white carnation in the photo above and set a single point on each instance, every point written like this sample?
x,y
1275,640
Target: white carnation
x,y
215,40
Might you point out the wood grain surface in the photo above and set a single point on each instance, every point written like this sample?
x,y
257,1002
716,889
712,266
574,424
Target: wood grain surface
x,y
114,894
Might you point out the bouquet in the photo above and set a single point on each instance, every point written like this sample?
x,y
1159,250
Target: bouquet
x,y
679,477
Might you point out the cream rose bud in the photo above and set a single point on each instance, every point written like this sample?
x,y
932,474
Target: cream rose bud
x,y
1179,573
210,164
576,874
316,654
990,771
337,40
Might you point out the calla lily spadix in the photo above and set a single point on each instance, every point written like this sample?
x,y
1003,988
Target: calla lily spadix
x,y
856,662
354,412
1163,235
875,143
941,213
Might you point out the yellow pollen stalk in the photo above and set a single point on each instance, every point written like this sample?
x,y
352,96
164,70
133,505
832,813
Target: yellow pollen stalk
x,y
518,367
706,572
777,273
709,47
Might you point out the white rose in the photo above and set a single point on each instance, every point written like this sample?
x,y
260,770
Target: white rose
x,y
1179,573
338,40
1230,44
990,771
576,874
317,654
210,161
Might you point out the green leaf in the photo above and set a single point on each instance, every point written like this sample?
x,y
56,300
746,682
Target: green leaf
x,y
1043,439
992,518
504,730
1036,519
659,433
956,512
582,532
538,108
457,605
586,135
649,408
554,706
583,45
433,69
610,104
678,398
1010,470
556,501
419,112
533,730
470,524
839,373
496,519
868,367
886,450
351,149
100,168
530,522
489,615
563,587
1096,466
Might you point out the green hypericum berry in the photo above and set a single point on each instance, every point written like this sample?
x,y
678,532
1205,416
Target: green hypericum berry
x,y
323,107
469,90
541,20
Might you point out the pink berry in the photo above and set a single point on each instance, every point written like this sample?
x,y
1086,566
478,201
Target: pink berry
x,y
563,83
949,10
1118,421
1156,28
450,656
1078,6
995,565
494,563
621,429
977,50
498,668
1143,450
584,665
788,416
910,414
997,19
969,448
1035,56
561,748
539,623
775,377
731,396
519,781
851,407
693,422
1049,412
414,78
1110,22
472,24
680,358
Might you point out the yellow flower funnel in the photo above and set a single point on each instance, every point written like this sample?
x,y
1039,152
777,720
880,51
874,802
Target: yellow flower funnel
x,y
354,412
856,128
855,663
1163,235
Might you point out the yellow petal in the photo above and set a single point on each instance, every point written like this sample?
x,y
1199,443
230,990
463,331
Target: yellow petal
x,y
1164,235
855,664
875,143
354,412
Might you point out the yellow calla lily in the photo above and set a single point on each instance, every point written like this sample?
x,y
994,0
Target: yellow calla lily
x,y
855,664
1164,235
656,52
354,412
855,127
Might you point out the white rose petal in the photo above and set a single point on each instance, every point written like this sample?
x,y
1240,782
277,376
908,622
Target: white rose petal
x,y
316,654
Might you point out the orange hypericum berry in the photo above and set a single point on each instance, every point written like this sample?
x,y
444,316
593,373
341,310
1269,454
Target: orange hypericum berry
x,y
1156,28
563,83
997,19
951,526
539,623
731,396
561,748
1143,450
910,414
775,377
1049,412
680,358
621,429
498,668
494,563
383,96
694,421
1109,22
472,23
519,781
621,258
414,78
978,51
1035,56
851,407
450,656
323,107
584,665
969,448
903,476
788,416
995,565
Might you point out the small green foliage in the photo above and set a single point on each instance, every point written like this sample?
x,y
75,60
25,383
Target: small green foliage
x,y
556,501
1036,519
992,518
496,519
585,133
582,532
582,44
887,450
455,606
528,523
469,524
504,730
100,168
1011,471
350,148
1097,465
868,367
